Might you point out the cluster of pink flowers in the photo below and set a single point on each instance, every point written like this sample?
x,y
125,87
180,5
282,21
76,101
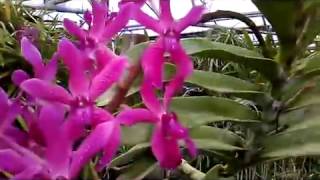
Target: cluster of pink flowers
x,y
58,118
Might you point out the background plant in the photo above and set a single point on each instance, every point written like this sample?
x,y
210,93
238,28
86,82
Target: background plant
x,y
256,110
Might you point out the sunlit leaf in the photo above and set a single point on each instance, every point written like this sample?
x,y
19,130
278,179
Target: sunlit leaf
x,y
196,111
207,137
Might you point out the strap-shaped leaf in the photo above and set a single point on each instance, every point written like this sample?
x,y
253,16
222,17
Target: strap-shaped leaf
x,y
133,153
134,54
222,83
309,94
213,173
283,16
296,23
139,169
207,137
300,138
139,133
309,65
302,118
251,59
196,111
300,142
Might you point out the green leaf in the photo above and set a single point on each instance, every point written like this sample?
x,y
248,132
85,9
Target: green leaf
x,y
130,155
283,16
248,40
222,83
300,142
296,23
303,118
207,137
218,82
204,48
136,52
309,65
139,169
309,94
213,173
196,111
136,134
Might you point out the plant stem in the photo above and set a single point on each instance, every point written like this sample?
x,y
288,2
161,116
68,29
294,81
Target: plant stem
x,y
192,172
123,88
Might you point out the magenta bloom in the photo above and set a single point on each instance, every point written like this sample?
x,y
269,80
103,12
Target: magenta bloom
x,y
168,42
168,130
65,128
84,89
102,26
8,111
166,136
56,158
41,70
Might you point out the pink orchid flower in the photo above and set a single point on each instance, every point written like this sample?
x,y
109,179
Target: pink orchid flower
x,y
102,26
84,89
41,70
56,158
168,130
166,136
9,110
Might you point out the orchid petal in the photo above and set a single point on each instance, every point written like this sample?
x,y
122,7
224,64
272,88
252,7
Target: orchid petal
x,y
10,115
83,115
11,161
18,76
165,11
103,57
153,64
191,146
50,120
88,17
131,116
4,103
51,69
74,29
72,128
140,3
31,172
72,57
119,22
99,11
32,55
147,21
179,132
191,18
17,135
149,97
165,149
58,155
184,70
94,143
46,91
110,148
100,116
109,75
36,134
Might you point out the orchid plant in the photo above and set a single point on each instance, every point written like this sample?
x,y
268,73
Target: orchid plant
x,y
65,129
122,112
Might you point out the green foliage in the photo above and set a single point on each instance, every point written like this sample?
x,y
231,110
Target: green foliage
x,y
284,122
275,107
